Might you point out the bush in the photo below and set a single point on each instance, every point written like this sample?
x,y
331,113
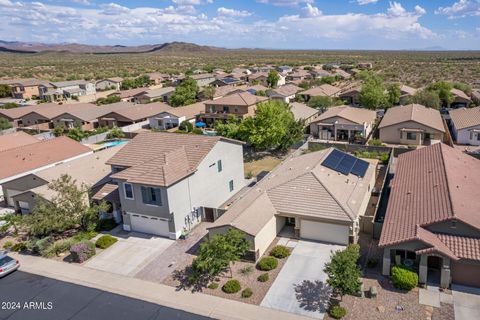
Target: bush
x,y
404,277
7,245
105,241
39,245
263,277
18,247
267,263
372,263
185,126
376,142
85,235
247,293
213,285
280,252
58,247
82,251
245,271
106,224
337,312
197,131
231,286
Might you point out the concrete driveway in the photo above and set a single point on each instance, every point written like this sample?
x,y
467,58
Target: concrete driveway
x,y
466,302
300,286
130,253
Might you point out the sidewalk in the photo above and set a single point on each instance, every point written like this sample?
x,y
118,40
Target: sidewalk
x,y
197,303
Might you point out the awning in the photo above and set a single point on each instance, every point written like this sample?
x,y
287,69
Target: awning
x,y
412,130
200,124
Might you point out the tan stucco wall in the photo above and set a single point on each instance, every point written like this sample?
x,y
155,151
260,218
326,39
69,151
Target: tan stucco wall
x,y
265,237
391,134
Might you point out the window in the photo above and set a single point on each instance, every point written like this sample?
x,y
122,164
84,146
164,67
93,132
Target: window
x,y
219,165
128,190
230,185
225,109
411,136
151,196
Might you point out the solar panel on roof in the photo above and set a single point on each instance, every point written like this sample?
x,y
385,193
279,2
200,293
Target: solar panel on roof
x,y
346,165
360,168
333,159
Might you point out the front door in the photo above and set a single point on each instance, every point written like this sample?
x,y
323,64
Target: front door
x,y
290,221
209,216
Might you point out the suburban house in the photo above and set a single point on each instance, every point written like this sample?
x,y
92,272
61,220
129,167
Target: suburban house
x,y
432,221
25,88
319,73
324,90
175,116
33,157
307,196
225,90
284,69
460,99
351,96
406,93
203,79
129,95
285,93
227,81
90,171
412,124
342,74
299,75
259,78
109,84
157,78
15,140
133,114
66,89
241,105
343,123
154,95
303,112
466,125
168,182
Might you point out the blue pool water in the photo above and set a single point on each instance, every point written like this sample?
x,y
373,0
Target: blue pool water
x,y
110,144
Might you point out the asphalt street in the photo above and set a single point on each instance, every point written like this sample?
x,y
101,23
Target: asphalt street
x,y
25,296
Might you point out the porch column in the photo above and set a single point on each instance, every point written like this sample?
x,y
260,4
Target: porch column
x,y
423,269
386,262
445,273
335,133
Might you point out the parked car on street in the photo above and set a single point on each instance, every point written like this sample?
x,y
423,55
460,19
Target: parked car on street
x,y
7,264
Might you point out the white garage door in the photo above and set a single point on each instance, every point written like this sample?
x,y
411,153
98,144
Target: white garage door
x,y
10,194
147,224
325,232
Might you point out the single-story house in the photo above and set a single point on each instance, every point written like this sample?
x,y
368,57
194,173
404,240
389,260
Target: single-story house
x,y
343,123
319,73
432,220
109,84
412,124
324,90
351,95
466,125
307,196
129,95
133,114
285,93
304,112
342,74
406,93
33,157
460,99
155,95
299,75
169,182
174,116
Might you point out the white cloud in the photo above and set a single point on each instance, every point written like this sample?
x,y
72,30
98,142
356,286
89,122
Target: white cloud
x,y
222,11
364,2
82,2
419,10
396,9
310,11
285,3
187,2
113,9
461,9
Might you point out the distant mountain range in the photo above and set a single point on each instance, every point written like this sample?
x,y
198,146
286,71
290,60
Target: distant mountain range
x,y
172,47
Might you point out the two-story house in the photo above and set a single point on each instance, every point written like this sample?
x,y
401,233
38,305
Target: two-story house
x,y
168,182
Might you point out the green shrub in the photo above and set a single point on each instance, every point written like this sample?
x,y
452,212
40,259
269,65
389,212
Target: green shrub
x,y
247,293
267,263
20,246
245,271
7,245
337,312
197,131
280,252
39,245
82,251
213,285
231,286
105,241
376,142
58,247
404,277
85,235
372,263
106,224
263,277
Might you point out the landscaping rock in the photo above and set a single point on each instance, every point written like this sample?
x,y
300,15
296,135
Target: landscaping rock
x,y
381,309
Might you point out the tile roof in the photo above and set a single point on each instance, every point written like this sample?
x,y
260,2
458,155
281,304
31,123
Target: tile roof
x,y
406,90
237,99
159,158
155,93
462,247
355,115
285,91
140,111
302,111
431,185
15,140
326,90
300,186
123,94
189,112
108,192
465,118
36,155
413,112
459,93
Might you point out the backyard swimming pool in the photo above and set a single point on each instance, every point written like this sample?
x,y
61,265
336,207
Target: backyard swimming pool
x,y
110,144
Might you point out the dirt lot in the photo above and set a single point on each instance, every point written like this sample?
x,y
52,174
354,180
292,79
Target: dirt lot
x,y
266,163
247,281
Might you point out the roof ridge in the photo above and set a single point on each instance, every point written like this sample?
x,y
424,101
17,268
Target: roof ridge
x,y
447,178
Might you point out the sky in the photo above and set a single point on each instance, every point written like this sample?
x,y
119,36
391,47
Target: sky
x,y
271,24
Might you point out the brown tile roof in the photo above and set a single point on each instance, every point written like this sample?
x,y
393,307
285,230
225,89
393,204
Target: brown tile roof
x,y
299,186
159,158
325,90
462,247
460,94
302,111
108,192
431,185
413,112
237,99
15,140
36,155
286,90
46,110
140,111
123,94
225,90
465,118
189,112
355,115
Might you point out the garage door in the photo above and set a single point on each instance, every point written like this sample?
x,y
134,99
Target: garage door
x,y
325,232
467,274
147,224
10,194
